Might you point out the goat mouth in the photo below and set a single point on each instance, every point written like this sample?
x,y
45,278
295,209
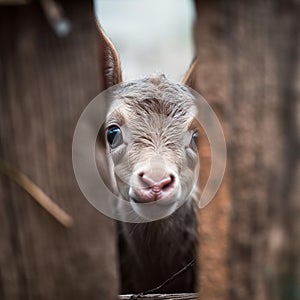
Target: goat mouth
x,y
155,201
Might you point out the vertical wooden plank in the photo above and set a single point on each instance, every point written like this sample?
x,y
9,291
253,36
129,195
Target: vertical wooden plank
x,y
212,83
45,83
264,46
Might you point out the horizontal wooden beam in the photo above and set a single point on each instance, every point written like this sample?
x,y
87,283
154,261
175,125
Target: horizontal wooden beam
x,y
184,296
14,2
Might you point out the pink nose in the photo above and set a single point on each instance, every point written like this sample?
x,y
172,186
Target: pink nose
x,y
157,186
150,189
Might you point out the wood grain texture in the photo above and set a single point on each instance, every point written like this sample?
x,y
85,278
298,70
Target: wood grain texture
x,y
214,219
45,83
249,69
263,46
185,296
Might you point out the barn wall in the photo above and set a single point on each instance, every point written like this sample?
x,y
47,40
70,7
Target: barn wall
x,y
45,83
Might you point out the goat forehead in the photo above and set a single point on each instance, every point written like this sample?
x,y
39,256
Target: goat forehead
x,y
157,132
158,120
154,105
155,92
163,107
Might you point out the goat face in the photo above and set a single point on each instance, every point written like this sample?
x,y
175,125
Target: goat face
x,y
150,139
151,142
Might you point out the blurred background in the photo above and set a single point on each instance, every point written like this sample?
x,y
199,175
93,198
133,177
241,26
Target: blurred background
x,y
248,71
150,36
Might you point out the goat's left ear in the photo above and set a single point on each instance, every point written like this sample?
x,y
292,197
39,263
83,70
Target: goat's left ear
x,y
109,61
189,78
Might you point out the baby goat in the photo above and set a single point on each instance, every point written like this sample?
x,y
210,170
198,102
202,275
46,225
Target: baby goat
x,y
150,143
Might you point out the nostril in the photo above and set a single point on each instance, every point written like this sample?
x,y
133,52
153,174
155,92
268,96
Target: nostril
x,y
167,182
146,180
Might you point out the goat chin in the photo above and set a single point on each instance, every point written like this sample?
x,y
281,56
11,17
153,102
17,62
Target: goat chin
x,y
146,212
155,210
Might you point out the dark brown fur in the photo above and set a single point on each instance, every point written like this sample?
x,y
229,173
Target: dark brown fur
x,y
150,253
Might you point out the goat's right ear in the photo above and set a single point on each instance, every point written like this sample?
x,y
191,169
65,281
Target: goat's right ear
x,y
109,59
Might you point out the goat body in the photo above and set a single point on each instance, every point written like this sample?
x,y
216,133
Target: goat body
x,y
150,253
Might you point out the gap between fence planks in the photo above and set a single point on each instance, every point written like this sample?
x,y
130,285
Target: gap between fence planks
x,y
184,296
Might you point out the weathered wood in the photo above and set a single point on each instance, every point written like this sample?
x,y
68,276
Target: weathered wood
x,y
259,43
45,83
185,296
263,39
38,195
214,219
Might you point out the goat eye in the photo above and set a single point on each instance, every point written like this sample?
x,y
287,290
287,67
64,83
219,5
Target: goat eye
x,y
195,135
194,140
114,136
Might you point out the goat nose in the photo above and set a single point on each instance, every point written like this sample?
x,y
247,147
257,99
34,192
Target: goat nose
x,y
157,186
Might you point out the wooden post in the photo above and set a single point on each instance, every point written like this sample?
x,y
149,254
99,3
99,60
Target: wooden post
x,y
264,47
214,219
45,83
249,71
